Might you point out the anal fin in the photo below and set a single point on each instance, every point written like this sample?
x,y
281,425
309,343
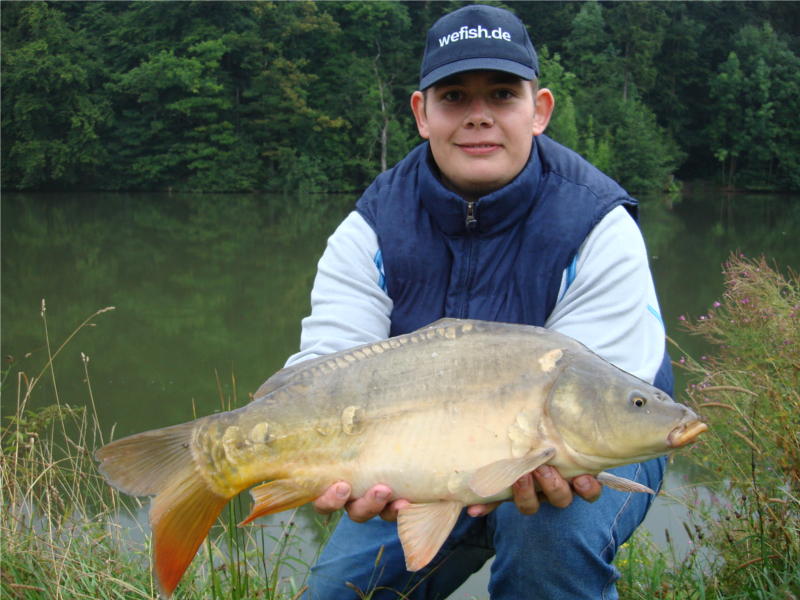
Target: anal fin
x,y
423,528
621,484
276,496
493,478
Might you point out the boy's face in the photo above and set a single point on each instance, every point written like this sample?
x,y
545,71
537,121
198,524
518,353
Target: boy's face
x,y
480,125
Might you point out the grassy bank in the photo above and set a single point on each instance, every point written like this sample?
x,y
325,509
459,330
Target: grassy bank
x,y
67,535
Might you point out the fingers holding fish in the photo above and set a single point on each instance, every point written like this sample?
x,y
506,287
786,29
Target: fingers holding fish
x,y
481,510
334,498
393,508
370,505
587,487
525,495
554,487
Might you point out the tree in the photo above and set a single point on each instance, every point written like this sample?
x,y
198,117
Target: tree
x,y
52,111
284,103
644,156
589,49
236,96
563,125
616,131
373,48
727,139
637,30
679,95
756,98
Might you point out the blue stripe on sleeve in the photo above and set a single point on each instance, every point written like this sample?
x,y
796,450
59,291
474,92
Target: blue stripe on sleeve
x,y
570,275
378,259
655,313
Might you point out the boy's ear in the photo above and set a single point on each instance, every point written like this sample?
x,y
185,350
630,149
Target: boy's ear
x,y
543,110
418,108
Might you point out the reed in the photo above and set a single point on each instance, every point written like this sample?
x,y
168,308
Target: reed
x,y
746,537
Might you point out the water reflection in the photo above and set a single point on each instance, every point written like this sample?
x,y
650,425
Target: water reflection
x,y
209,292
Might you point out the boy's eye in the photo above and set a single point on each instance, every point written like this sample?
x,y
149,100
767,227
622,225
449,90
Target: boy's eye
x,y
504,94
452,96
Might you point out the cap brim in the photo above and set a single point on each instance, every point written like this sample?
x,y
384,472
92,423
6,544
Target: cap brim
x,y
477,64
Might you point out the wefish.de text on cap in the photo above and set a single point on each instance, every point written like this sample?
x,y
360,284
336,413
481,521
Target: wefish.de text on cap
x,y
478,37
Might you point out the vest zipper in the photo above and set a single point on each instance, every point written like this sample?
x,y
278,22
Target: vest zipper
x,y
471,221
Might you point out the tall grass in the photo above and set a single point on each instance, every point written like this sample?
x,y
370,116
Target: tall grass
x,y
67,535
746,539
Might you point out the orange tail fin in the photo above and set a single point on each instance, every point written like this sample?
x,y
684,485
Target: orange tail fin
x,y
160,463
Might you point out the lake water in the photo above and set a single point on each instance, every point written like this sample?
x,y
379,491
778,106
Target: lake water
x,y
209,292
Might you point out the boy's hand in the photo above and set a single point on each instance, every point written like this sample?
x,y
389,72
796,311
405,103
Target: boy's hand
x,y
375,502
553,488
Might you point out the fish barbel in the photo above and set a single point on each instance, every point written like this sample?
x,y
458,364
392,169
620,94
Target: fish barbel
x,y
447,416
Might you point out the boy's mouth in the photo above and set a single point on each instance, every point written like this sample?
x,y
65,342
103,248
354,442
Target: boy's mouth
x,y
479,149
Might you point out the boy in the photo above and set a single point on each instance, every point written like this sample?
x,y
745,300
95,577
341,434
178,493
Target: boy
x,y
489,219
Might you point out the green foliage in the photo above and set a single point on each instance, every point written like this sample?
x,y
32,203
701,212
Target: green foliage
x,y
637,30
243,96
749,390
52,115
746,538
643,155
758,88
563,125
754,376
24,430
597,146
616,130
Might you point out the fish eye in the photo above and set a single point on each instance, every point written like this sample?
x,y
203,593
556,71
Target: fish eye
x,y
638,400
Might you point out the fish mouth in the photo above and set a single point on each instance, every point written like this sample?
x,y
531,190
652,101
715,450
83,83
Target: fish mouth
x,y
685,433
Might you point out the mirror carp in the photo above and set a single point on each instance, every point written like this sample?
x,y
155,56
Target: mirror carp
x,y
447,416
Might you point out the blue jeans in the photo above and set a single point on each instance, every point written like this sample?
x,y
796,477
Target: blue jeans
x,y
552,555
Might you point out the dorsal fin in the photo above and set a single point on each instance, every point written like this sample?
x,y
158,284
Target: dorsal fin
x,y
340,359
445,322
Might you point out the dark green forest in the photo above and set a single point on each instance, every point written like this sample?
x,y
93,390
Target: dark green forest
x,y
313,96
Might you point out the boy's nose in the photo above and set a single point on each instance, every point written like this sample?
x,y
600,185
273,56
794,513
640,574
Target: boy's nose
x,y
478,114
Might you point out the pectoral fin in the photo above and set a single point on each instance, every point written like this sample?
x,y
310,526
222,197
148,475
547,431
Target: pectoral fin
x,y
276,496
622,484
423,528
497,476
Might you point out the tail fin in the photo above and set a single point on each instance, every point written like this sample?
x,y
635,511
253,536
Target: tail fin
x,y
160,463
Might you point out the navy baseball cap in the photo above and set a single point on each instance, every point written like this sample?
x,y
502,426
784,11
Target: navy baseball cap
x,y
477,37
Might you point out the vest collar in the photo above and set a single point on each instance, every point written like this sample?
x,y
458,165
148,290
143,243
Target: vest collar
x,y
493,213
